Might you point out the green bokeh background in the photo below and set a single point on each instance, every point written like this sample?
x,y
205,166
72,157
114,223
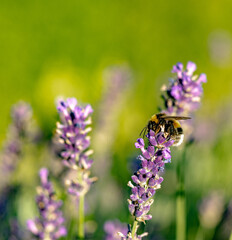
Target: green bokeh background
x,y
53,48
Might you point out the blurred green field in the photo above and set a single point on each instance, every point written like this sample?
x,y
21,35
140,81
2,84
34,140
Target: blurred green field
x,y
56,48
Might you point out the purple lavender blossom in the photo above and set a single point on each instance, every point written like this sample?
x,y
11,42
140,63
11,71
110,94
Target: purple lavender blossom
x,y
72,135
147,179
183,95
112,228
21,115
20,130
49,225
115,230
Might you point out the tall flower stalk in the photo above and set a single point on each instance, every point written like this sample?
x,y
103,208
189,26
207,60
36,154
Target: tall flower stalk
x,y
20,131
49,226
116,82
147,179
183,97
72,133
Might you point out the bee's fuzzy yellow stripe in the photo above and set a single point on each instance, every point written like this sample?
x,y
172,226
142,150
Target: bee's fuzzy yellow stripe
x,y
154,118
176,124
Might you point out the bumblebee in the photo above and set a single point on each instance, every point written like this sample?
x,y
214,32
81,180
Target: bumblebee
x,y
169,125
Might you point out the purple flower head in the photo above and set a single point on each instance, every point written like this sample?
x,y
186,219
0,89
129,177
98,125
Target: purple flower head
x,y
50,223
183,95
112,229
147,180
72,135
21,114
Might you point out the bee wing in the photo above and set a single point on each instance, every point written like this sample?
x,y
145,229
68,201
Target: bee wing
x,y
175,118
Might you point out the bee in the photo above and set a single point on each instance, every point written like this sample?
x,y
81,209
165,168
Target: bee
x,y
169,125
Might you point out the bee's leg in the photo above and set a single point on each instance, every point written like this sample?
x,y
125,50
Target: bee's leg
x,y
162,124
170,130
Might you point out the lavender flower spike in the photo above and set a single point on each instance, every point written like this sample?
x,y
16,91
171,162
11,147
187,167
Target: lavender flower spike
x,y
72,135
182,97
183,94
49,226
20,131
147,179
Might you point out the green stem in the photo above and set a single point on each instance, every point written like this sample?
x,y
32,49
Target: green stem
x,y
81,222
81,232
134,228
181,200
231,235
180,218
200,234
70,230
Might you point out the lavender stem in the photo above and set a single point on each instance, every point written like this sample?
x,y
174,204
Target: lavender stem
x,y
181,199
180,218
200,234
134,229
72,134
81,231
81,209
231,236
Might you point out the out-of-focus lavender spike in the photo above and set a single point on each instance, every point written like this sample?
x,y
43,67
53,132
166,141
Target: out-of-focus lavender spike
x,y
50,223
220,47
117,83
21,130
115,230
16,232
112,228
211,209
116,79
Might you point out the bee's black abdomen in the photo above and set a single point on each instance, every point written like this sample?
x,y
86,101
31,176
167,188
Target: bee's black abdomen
x,y
179,130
